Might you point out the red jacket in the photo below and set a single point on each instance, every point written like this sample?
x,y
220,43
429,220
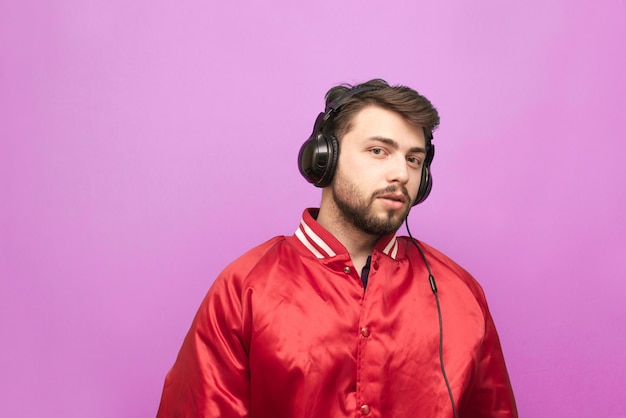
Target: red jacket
x,y
287,330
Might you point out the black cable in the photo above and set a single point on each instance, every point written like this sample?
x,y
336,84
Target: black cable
x,y
433,287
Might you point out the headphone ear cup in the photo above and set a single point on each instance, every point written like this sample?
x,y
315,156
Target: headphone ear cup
x,y
317,159
426,185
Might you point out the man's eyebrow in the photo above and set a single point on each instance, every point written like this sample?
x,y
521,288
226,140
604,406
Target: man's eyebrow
x,y
394,144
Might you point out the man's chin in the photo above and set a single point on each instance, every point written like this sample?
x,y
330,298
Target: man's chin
x,y
386,223
394,215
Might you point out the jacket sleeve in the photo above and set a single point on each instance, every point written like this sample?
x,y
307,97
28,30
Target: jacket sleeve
x,y
210,377
491,395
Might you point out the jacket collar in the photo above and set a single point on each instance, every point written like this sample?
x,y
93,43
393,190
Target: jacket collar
x,y
322,244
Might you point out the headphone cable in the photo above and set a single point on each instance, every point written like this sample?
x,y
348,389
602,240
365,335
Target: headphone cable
x,y
433,287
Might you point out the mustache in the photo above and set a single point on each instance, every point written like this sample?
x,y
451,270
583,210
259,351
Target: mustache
x,y
393,189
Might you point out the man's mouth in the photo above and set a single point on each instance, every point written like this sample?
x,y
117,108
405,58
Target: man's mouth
x,y
396,197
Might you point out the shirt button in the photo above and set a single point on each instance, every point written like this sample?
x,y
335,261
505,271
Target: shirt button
x,y
365,410
346,270
365,331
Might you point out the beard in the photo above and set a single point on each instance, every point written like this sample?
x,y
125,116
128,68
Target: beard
x,y
357,210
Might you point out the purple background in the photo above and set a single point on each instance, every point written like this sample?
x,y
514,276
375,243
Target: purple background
x,y
144,145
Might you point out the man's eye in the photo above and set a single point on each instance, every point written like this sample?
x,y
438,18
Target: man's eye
x,y
376,151
414,161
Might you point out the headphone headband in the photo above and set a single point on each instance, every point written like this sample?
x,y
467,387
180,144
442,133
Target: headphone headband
x,y
340,101
334,106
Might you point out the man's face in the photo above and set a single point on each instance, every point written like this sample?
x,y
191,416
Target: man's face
x,y
379,170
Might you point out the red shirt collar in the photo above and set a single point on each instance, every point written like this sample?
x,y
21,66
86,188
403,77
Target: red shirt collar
x,y
322,244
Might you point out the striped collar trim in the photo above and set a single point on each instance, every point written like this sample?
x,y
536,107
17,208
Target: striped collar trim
x,y
322,244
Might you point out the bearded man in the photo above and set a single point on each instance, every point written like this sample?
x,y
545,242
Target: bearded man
x,y
345,318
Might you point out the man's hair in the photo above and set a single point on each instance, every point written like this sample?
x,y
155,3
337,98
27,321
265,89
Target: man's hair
x,y
413,107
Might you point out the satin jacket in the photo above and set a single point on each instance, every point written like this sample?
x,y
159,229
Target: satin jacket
x,y
287,330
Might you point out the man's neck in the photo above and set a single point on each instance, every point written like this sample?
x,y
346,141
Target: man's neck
x,y
358,243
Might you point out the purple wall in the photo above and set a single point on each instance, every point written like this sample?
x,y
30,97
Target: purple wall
x,y
144,145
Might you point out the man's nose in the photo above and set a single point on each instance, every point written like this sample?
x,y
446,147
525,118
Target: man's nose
x,y
398,170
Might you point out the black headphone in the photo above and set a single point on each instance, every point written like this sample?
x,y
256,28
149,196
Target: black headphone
x,y
317,159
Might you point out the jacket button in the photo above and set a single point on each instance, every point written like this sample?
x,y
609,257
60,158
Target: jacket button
x,y
346,270
365,331
375,265
365,410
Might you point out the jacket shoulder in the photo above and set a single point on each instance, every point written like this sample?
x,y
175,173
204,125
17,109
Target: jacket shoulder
x,y
250,260
446,268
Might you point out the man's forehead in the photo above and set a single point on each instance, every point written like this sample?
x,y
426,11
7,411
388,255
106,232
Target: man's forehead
x,y
377,122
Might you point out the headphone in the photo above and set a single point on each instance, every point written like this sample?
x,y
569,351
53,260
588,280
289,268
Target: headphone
x,y
317,159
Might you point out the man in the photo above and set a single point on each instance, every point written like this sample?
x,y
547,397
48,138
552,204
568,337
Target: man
x,y
344,318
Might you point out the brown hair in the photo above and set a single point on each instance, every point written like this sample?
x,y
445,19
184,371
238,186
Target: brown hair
x,y
413,107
